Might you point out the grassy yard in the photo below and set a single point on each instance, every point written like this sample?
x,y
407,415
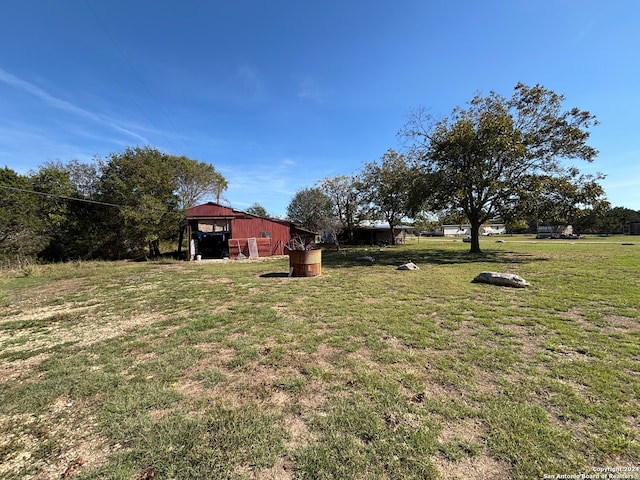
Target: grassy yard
x,y
232,370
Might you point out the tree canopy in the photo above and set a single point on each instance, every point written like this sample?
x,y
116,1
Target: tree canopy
x,y
21,229
258,210
483,158
386,188
196,180
311,209
142,182
346,200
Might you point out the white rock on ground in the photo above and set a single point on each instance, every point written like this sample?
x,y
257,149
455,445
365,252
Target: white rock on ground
x,y
501,279
409,266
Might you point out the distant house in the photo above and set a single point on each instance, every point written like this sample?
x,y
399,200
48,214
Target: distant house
x,y
464,230
632,228
493,229
554,231
374,233
452,230
216,231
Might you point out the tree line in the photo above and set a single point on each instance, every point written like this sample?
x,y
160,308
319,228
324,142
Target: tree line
x,y
498,157
121,206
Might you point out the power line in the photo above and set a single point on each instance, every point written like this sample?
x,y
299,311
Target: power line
x,y
85,200
75,199
137,75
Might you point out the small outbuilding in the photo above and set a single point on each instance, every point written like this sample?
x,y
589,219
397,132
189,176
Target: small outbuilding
x,y
632,228
376,233
217,231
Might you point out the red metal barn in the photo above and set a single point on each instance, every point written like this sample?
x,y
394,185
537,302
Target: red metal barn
x,y
216,231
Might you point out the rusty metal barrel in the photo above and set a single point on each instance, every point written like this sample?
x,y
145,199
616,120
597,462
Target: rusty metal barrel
x,y
305,263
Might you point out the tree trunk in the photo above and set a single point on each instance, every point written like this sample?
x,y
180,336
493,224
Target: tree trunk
x,y
180,239
475,237
350,234
154,248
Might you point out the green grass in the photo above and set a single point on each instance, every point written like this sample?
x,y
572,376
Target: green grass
x,y
233,370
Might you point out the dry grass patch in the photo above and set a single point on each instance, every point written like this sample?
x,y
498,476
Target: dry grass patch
x,y
284,469
49,327
481,467
466,429
52,441
16,369
625,324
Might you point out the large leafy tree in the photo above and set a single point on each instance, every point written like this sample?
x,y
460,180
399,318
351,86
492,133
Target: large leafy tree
x,y
196,180
346,199
84,177
257,209
142,181
52,180
21,228
386,188
614,219
311,208
79,224
558,200
482,157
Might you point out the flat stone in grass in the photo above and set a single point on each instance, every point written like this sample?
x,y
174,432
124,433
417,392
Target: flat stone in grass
x,y
501,279
408,266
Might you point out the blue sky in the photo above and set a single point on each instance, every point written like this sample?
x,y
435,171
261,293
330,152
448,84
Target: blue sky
x,y
279,94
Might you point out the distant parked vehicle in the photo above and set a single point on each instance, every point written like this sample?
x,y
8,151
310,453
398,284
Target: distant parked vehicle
x,y
555,231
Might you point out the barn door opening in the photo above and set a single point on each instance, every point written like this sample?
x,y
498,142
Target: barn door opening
x,y
211,244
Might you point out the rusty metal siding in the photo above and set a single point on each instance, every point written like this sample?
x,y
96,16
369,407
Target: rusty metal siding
x,y
243,228
266,247
253,226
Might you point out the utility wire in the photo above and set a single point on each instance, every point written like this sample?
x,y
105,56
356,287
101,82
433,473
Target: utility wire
x,y
85,200
138,76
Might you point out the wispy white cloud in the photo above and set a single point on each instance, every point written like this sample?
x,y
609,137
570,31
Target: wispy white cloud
x,y
252,82
310,89
63,105
289,162
50,100
584,33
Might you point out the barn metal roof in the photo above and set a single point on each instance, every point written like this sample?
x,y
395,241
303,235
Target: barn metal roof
x,y
215,210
